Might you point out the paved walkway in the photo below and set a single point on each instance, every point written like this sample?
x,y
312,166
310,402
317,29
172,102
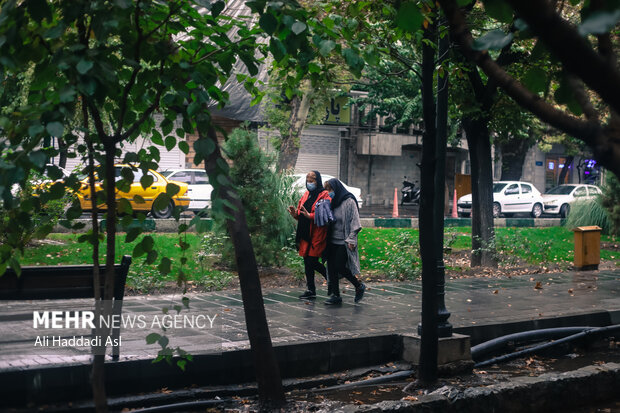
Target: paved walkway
x,y
386,308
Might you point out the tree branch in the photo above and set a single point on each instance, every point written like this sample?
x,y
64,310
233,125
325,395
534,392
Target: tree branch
x,y
546,112
573,50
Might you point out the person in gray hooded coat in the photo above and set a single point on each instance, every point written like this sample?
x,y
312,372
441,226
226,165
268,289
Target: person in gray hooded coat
x,y
342,252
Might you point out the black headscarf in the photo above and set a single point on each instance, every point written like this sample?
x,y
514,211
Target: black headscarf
x,y
303,223
340,193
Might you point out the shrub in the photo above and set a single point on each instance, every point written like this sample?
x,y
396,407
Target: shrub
x,y
403,257
265,195
610,200
588,212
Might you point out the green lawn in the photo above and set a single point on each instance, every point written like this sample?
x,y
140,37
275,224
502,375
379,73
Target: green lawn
x,y
390,251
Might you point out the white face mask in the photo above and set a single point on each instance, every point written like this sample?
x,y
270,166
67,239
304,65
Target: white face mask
x,y
310,186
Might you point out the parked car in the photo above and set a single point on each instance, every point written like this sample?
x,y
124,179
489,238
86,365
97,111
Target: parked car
x,y
300,184
558,200
199,190
509,197
149,194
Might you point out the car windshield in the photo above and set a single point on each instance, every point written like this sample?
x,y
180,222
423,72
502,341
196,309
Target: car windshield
x,y
561,190
498,187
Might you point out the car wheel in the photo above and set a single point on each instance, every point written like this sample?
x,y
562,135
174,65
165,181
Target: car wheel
x,y
163,213
537,211
463,215
564,210
497,209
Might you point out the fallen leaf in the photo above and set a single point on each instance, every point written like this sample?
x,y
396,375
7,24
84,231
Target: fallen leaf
x,y
538,286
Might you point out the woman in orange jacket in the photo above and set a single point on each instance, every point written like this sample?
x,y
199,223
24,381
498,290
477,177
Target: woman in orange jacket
x,y
311,239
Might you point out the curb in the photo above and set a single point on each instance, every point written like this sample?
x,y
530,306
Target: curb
x,y
462,222
171,226
550,392
56,383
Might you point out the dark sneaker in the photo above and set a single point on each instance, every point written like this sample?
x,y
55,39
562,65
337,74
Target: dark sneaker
x,y
359,292
308,295
333,300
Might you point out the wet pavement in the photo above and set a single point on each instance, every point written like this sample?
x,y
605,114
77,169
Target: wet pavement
x,y
386,308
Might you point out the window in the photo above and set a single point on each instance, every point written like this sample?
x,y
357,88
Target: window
x,y
581,191
200,177
182,176
561,190
526,189
512,190
594,190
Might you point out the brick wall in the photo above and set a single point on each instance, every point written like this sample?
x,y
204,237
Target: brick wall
x,y
225,123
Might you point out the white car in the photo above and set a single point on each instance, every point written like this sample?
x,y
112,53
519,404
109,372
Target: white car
x,y
557,200
509,197
198,187
300,184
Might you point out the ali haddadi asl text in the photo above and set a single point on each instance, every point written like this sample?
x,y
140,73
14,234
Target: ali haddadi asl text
x,y
75,341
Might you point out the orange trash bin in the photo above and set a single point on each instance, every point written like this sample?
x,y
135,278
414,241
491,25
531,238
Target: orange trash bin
x,y
587,247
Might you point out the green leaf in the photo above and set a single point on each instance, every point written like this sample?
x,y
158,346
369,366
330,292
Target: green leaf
x,y
204,147
599,22
268,23
326,47
34,130
14,264
161,202
166,126
148,243
163,341
181,364
184,147
193,108
277,49
536,80
146,181
564,95
132,234
409,17
164,266
156,137
138,251
55,129
521,25
493,40
38,158
170,142
172,189
151,257
152,338
217,7
298,27
499,10
84,66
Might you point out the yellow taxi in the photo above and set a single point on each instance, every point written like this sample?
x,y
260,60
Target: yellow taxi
x,y
141,199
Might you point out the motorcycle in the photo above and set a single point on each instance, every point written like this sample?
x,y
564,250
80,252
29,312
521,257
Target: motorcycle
x,y
410,193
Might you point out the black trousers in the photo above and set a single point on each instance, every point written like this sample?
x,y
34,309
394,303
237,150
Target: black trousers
x,y
337,266
312,264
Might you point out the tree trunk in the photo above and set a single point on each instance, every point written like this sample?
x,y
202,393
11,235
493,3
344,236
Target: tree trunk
x,y
569,161
270,390
289,148
513,155
428,346
482,231
62,153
